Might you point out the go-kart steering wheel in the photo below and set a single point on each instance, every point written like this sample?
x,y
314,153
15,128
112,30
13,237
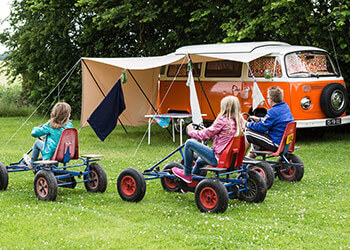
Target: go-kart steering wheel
x,y
248,117
195,126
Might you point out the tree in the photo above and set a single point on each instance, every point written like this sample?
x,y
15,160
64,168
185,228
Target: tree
x,y
297,22
42,48
46,38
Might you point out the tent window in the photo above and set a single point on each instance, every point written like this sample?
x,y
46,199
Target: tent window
x,y
162,70
173,69
223,68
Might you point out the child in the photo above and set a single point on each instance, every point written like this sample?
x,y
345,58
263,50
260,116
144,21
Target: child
x,y
59,121
226,126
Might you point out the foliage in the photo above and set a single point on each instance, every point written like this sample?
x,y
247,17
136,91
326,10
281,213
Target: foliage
x,y
46,38
42,48
11,103
307,214
143,28
298,22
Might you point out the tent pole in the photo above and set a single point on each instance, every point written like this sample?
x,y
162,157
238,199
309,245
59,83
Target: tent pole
x,y
144,94
101,90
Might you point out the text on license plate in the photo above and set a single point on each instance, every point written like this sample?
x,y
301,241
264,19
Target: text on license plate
x,y
333,122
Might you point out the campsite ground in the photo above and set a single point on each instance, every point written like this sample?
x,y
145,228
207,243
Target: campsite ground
x,y
313,213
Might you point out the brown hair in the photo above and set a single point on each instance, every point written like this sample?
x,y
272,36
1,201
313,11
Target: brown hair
x,y
60,115
231,108
275,93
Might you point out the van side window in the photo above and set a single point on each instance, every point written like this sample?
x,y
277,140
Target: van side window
x,y
223,68
173,69
258,67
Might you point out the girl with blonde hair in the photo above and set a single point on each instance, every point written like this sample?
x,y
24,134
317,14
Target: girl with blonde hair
x,y
52,130
226,126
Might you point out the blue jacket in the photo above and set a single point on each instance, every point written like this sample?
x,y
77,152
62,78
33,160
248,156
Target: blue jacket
x,y
52,138
274,122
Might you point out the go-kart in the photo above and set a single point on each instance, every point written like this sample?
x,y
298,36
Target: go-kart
x,y
231,179
288,167
49,175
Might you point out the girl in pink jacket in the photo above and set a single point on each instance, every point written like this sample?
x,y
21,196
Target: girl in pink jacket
x,y
226,126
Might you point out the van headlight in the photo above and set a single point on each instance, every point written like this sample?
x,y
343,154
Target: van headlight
x,y
305,103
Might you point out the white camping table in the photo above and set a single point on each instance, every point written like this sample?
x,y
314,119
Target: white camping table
x,y
173,116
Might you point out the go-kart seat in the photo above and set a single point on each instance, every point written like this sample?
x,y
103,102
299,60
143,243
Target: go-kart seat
x,y
67,147
66,150
232,156
287,143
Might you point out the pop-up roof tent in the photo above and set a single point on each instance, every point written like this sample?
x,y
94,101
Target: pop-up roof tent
x,y
140,92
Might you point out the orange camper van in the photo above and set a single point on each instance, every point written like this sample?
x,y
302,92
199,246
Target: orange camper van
x,y
312,84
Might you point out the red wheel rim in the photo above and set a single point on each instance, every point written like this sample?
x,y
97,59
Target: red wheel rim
x,y
42,187
208,198
93,179
128,185
288,172
261,172
170,183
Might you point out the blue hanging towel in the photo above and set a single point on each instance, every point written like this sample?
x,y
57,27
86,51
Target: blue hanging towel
x,y
162,121
104,118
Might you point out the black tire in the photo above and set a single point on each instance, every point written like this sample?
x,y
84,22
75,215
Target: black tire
x,y
265,170
256,188
334,100
131,185
97,179
169,184
290,174
211,196
4,177
45,186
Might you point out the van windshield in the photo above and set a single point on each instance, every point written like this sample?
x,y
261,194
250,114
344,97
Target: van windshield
x,y
310,64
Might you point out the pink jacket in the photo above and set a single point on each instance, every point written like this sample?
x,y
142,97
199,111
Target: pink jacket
x,y
219,131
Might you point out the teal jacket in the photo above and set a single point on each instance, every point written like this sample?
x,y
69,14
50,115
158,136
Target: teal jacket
x,y
52,138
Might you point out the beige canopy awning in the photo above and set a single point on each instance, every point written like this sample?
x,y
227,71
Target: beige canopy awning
x,y
140,92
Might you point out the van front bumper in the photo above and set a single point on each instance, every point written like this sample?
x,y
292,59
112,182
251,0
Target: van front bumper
x,y
327,122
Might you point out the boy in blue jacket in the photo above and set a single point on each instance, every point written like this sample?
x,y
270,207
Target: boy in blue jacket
x,y
265,133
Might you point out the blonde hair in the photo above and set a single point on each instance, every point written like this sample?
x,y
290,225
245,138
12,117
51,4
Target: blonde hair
x,y
231,108
60,115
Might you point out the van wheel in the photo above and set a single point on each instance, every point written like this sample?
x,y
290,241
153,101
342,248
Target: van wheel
x,y
334,100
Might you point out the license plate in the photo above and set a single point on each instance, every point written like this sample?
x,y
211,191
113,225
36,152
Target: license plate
x,y
333,122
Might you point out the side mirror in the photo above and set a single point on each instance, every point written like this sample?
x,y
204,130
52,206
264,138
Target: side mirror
x,y
267,74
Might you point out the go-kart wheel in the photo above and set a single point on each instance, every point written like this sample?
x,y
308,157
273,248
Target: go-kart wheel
x,y
45,186
211,196
4,177
169,184
97,179
256,188
265,170
288,173
131,185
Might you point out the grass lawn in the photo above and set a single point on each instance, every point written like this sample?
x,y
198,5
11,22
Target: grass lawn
x,y
313,213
